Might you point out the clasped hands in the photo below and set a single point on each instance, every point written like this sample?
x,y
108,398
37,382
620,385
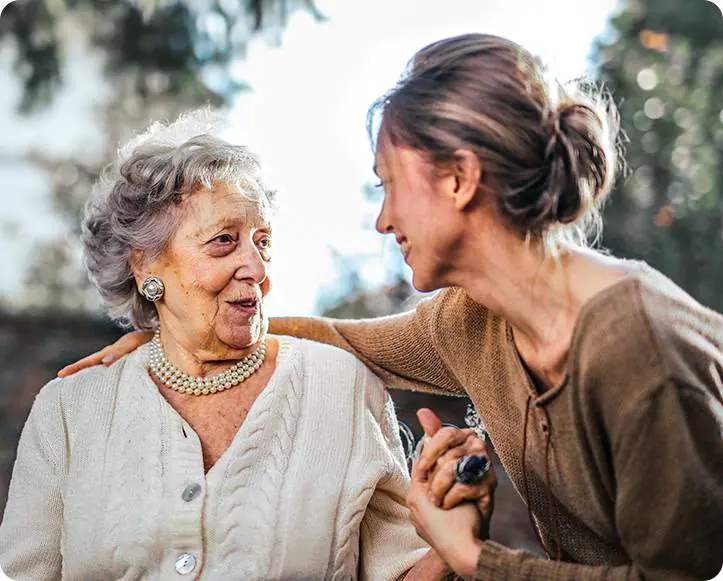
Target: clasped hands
x,y
454,518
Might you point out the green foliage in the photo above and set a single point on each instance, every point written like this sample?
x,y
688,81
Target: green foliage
x,y
664,66
172,41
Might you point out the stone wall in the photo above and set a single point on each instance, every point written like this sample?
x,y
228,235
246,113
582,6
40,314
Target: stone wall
x,y
32,349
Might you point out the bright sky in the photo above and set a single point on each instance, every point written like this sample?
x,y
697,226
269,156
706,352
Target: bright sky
x,y
306,117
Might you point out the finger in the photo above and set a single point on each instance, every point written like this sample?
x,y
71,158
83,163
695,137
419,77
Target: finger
x,y
437,445
449,457
416,496
475,445
487,507
110,354
431,423
89,361
486,504
460,493
472,446
131,342
419,476
441,482
442,477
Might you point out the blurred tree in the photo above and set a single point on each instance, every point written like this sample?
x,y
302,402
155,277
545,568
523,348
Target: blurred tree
x,y
160,57
664,66
157,45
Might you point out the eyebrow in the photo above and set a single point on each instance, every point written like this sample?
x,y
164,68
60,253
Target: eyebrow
x,y
206,231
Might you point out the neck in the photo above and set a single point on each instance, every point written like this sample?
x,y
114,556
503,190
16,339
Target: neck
x,y
201,359
532,293
540,297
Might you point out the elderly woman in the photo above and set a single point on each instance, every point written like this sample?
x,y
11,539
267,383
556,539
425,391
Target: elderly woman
x,y
216,452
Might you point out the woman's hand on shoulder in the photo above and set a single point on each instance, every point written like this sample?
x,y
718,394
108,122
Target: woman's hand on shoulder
x,y
110,354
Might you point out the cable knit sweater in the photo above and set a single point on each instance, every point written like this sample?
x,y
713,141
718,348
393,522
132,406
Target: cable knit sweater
x,y
621,464
109,481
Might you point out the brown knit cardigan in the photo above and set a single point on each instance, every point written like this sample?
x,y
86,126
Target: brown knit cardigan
x,y
621,464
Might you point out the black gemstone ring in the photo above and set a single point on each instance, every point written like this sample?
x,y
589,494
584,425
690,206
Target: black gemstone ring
x,y
471,469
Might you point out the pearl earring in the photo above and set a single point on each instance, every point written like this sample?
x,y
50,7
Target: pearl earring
x,y
153,289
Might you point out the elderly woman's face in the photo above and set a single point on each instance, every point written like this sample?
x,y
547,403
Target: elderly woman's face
x,y
215,270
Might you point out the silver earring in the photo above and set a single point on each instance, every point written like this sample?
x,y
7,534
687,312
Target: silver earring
x,y
153,289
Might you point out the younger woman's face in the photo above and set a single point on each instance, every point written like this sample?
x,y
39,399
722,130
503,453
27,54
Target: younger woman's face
x,y
420,212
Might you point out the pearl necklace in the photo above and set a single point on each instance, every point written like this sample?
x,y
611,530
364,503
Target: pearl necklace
x,y
172,377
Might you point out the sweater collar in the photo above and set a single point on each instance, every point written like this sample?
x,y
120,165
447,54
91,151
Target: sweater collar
x,y
537,399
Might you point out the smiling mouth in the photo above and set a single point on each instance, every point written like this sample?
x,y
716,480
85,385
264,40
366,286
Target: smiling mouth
x,y
404,249
245,305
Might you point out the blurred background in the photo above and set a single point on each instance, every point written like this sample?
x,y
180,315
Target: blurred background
x,y
78,76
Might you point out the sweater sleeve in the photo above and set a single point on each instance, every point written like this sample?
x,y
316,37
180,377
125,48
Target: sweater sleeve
x,y
389,545
30,532
399,349
668,461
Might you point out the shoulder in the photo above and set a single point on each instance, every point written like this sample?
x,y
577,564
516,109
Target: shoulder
x,y
87,391
67,410
645,331
315,354
334,368
461,326
454,305
675,318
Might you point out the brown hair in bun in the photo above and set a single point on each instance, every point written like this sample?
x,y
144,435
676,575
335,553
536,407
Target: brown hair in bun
x,y
549,153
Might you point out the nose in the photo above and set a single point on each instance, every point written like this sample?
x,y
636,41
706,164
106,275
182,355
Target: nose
x,y
251,267
383,224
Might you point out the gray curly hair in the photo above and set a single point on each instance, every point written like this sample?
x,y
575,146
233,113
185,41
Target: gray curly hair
x,y
133,205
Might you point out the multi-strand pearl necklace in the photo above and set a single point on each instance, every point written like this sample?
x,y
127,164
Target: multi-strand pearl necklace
x,y
171,376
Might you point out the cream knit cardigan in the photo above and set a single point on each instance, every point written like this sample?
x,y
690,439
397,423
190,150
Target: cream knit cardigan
x,y
311,487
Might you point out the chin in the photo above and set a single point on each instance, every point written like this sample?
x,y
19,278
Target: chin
x,y
427,278
241,336
423,284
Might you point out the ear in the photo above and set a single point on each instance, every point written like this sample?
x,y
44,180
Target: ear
x,y
138,266
468,176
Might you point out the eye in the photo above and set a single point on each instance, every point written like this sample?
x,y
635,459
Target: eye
x,y
264,245
224,239
375,191
222,245
381,187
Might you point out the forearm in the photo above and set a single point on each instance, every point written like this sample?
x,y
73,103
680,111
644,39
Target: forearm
x,y
397,349
498,562
318,329
431,567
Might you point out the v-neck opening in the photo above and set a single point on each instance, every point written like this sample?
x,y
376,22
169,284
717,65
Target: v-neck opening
x,y
266,393
542,398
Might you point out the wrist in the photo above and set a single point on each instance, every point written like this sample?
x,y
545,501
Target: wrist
x,y
465,558
431,566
